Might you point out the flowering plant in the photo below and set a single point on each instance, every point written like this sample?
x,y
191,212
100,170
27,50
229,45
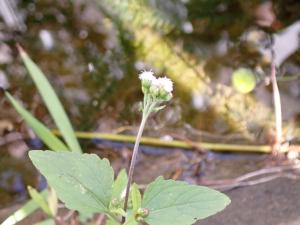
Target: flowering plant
x,y
86,183
156,92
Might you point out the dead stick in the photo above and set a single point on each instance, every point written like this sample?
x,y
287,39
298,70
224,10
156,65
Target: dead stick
x,y
277,108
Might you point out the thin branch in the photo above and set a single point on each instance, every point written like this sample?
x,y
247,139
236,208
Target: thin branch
x,y
226,187
254,177
277,169
175,143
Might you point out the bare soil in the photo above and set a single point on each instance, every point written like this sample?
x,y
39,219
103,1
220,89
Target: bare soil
x,y
273,203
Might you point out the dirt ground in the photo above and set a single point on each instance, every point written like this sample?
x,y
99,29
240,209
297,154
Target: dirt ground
x,y
272,203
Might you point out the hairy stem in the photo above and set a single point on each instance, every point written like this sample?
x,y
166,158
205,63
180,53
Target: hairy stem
x,y
133,159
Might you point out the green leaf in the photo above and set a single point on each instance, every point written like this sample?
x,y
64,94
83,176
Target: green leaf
x,y
118,211
52,102
177,203
46,222
40,200
42,131
111,222
23,212
119,185
243,80
82,181
136,197
118,194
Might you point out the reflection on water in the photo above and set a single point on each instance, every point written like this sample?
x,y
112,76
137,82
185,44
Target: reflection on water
x,y
93,67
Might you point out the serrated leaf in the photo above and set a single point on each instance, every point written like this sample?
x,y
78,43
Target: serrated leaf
x,y
52,102
40,129
119,185
82,181
178,203
136,197
39,199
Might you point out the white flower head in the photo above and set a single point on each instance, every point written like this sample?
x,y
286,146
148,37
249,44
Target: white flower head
x,y
165,83
147,76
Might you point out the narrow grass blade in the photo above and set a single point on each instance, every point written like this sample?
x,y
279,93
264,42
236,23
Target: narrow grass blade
x,y
52,102
40,200
23,212
52,201
40,129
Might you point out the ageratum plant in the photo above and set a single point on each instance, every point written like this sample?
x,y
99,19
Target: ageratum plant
x,y
87,183
84,182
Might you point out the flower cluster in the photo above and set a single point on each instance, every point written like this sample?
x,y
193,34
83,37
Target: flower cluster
x,y
159,89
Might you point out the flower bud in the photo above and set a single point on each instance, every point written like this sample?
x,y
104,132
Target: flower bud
x,y
162,93
143,212
115,202
168,97
154,91
146,84
139,219
166,84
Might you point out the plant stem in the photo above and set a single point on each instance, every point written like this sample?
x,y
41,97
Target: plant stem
x,y
134,157
277,108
